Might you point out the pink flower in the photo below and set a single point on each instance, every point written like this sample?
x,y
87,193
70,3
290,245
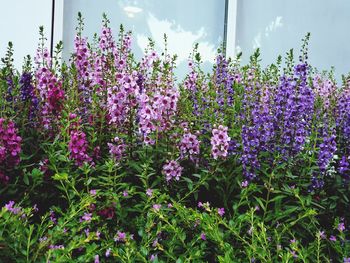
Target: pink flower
x,y
219,142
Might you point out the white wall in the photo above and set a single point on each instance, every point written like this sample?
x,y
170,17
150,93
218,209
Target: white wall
x,y
19,23
277,26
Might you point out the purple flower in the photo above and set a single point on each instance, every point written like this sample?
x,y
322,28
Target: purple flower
x,y
332,238
149,192
341,227
203,236
97,259
221,211
86,217
157,207
172,170
121,236
189,146
117,148
108,252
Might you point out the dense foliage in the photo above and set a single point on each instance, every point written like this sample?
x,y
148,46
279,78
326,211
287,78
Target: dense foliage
x,y
110,159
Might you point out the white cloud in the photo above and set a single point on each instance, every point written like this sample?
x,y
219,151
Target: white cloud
x,y
180,41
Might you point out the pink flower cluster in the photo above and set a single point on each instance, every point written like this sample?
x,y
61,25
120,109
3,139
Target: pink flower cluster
x,y
189,145
51,95
78,147
121,98
324,88
82,55
219,142
10,147
106,41
172,170
117,148
156,112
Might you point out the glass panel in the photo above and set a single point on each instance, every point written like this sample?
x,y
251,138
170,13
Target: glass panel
x,y
276,26
19,23
185,22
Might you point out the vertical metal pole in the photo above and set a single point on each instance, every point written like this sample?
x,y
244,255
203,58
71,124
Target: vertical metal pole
x,y
224,44
52,26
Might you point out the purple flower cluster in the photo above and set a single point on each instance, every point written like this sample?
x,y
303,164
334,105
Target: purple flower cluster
x,y
219,142
172,170
27,93
117,148
78,147
344,168
11,208
327,150
189,146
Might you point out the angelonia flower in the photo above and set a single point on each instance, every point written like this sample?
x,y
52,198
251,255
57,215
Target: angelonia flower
x,y
27,94
172,170
86,217
51,96
221,211
203,236
327,150
189,146
149,192
346,260
324,88
223,81
343,117
11,208
97,259
121,237
78,146
219,142
341,227
344,168
83,66
116,148
108,252
10,147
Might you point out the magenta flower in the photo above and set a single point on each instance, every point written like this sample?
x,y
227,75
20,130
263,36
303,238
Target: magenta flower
x,y
78,146
203,236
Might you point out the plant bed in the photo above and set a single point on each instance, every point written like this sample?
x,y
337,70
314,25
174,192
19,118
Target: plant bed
x,y
109,159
